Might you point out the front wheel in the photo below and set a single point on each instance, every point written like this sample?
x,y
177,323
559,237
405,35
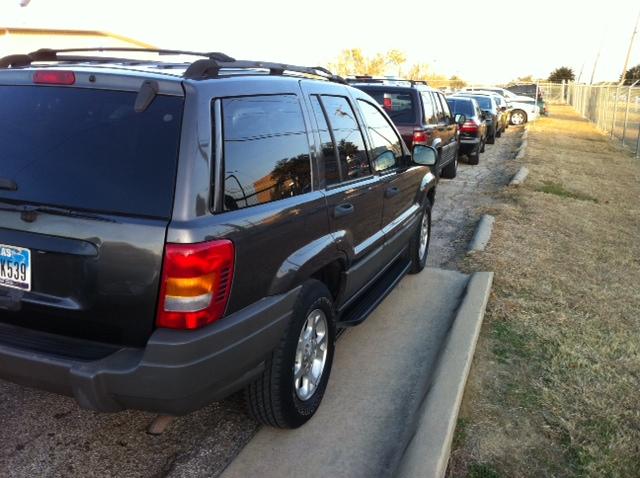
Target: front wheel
x,y
291,387
419,245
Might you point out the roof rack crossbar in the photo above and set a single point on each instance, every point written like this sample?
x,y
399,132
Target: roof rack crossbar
x,y
202,69
48,54
206,67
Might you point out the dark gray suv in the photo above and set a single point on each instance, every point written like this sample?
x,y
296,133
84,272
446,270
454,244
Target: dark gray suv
x,y
173,232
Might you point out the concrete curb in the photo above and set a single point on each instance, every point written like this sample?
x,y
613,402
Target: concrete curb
x,y
522,149
519,177
428,452
482,235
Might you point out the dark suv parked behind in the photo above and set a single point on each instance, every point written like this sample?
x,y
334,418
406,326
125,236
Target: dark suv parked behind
x,y
173,232
473,133
421,115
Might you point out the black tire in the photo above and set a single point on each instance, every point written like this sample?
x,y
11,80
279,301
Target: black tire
x,y
520,117
474,158
492,138
450,170
417,262
272,399
499,133
483,145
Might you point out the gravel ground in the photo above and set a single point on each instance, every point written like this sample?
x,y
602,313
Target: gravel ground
x,y
47,435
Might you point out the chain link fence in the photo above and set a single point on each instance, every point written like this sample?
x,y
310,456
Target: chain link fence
x,y
614,109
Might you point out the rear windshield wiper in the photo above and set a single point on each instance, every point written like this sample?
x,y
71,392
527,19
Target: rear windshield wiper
x,y
8,184
30,212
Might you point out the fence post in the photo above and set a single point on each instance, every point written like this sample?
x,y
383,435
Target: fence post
x,y
626,112
615,112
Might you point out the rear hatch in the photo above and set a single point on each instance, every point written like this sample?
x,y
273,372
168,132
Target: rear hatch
x,y
86,193
401,104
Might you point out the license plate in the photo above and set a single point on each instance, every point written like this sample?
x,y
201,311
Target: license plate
x,y
15,267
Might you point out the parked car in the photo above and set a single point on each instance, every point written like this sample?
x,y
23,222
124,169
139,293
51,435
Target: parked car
x,y
421,114
173,233
473,133
492,114
504,107
530,90
524,108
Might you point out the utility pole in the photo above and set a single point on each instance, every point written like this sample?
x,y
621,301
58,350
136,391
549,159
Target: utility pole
x,y
595,64
626,60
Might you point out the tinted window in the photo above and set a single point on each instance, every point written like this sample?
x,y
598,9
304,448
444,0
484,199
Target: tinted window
x,y
332,171
438,107
353,155
484,102
266,153
400,106
429,111
88,149
464,107
445,107
385,143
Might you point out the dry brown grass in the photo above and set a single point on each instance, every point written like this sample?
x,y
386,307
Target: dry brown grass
x,y
554,389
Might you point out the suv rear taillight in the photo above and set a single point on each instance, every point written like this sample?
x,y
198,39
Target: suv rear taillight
x,y
196,281
420,136
469,127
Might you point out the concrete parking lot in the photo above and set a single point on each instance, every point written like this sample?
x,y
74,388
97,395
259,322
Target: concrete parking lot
x,y
48,435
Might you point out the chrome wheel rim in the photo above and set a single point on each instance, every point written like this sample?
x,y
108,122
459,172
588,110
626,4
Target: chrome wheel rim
x,y
311,355
424,235
517,118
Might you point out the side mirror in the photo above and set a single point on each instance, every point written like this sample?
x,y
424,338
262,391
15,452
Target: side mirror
x,y
460,119
424,155
503,108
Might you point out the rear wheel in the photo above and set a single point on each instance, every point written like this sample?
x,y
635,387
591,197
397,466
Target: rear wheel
x,y
419,245
474,157
451,169
483,144
491,139
518,117
295,378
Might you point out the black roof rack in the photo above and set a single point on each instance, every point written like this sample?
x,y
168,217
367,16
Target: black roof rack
x,y
373,80
203,69
207,67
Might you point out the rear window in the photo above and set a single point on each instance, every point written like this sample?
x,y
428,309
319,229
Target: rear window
x,y
484,102
88,149
461,107
400,106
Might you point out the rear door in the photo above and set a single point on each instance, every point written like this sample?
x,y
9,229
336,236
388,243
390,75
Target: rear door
x,y
85,198
353,192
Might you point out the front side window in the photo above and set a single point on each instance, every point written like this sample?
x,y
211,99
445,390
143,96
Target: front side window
x,y
429,110
439,110
266,152
385,143
348,137
445,108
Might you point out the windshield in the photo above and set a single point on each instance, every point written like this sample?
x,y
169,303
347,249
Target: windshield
x,y
88,149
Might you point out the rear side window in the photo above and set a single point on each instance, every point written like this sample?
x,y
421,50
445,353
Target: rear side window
x,y
348,137
266,152
400,106
88,149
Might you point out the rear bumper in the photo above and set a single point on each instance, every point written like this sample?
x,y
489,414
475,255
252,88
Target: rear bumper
x,y
468,145
175,373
